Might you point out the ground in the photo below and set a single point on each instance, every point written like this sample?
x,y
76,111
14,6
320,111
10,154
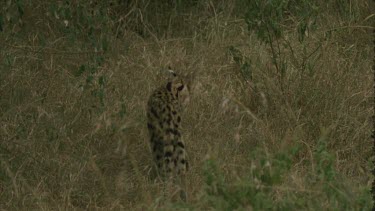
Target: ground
x,y
291,134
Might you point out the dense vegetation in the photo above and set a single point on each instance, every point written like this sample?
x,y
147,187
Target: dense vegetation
x,y
280,116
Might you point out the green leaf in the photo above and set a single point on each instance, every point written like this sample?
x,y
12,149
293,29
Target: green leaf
x,y
89,79
80,71
101,80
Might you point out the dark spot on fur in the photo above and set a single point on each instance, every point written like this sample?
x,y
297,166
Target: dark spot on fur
x,y
174,132
180,88
150,126
154,148
178,134
183,161
180,144
169,86
158,157
167,161
178,119
168,154
174,112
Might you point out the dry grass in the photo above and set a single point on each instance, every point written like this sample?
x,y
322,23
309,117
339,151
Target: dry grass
x,y
71,140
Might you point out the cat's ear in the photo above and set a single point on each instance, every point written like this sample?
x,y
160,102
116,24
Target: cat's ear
x,y
171,71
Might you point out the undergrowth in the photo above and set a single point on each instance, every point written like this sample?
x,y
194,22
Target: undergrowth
x,y
279,119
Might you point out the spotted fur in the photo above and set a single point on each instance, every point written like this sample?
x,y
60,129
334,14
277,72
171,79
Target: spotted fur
x,y
164,110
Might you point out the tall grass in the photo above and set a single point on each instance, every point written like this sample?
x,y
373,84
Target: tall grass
x,y
280,115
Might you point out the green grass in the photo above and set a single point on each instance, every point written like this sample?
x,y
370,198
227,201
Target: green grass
x,y
278,119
